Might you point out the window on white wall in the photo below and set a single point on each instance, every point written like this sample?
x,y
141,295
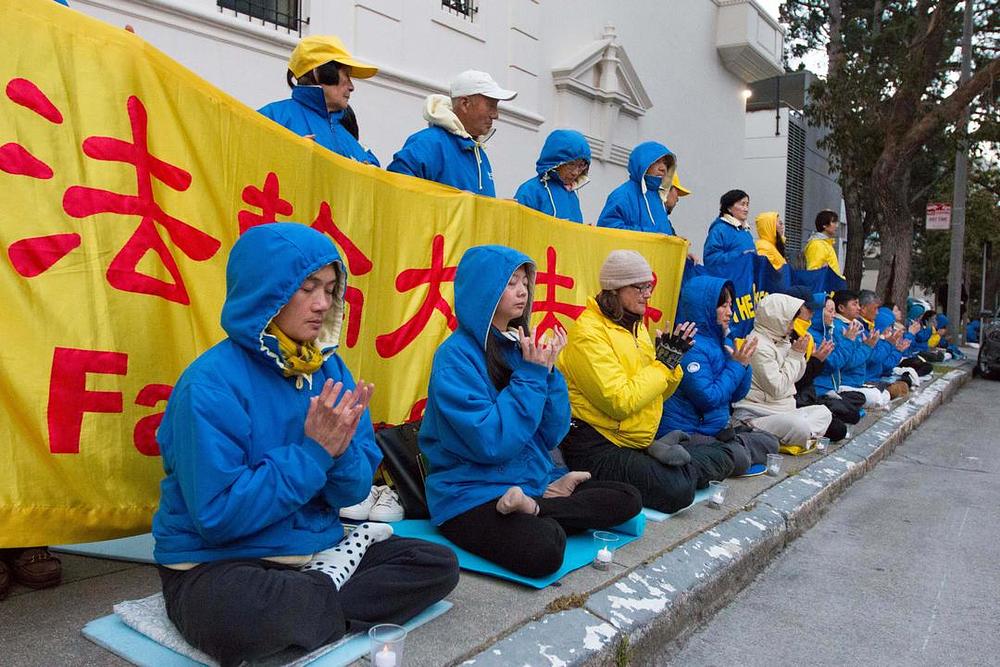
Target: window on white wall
x,y
463,8
287,14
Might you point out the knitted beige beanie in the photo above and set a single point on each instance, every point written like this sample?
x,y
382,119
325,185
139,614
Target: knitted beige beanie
x,y
624,267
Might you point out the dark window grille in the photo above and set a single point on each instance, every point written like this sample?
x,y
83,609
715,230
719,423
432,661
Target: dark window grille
x,y
465,8
794,188
285,14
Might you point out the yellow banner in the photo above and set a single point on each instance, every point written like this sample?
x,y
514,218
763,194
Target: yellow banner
x,y
126,179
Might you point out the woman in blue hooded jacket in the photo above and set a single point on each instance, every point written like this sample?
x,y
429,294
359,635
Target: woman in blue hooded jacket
x,y
562,170
496,407
259,454
729,236
322,71
636,203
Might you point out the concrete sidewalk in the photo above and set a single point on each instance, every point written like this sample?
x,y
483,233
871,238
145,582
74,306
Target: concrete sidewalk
x,y
658,587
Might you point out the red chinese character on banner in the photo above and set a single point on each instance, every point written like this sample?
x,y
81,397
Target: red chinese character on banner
x,y
267,200
549,305
391,344
358,264
82,201
651,314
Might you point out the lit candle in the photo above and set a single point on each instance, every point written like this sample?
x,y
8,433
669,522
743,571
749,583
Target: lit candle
x,y
604,555
717,498
385,657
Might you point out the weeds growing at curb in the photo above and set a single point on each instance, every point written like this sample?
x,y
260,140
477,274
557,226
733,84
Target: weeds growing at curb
x,y
565,602
623,652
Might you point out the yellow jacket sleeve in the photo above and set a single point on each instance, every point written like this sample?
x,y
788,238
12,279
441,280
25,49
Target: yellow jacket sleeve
x,y
815,254
600,377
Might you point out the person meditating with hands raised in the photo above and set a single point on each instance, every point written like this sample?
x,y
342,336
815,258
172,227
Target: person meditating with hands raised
x,y
496,407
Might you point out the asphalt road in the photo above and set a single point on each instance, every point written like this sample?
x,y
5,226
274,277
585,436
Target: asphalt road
x,y
903,570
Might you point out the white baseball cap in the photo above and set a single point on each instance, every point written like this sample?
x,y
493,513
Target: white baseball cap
x,y
473,82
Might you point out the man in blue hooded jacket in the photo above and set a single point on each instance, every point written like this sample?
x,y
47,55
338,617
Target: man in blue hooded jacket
x,y
562,170
260,454
636,203
323,70
451,149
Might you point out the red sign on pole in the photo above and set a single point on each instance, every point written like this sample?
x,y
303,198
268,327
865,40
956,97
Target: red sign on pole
x,y
938,216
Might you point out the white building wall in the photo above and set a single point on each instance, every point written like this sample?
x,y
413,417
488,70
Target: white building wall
x,y
765,162
697,104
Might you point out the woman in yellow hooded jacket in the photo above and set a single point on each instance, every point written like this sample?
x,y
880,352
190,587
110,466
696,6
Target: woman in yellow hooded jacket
x,y
771,238
618,379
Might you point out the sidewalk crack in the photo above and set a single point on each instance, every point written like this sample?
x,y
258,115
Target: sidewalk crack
x,y
910,459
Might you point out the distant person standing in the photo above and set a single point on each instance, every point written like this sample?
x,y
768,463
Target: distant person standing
x,y
561,171
450,150
636,203
729,236
771,238
320,74
821,247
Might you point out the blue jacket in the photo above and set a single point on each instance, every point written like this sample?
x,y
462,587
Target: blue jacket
x,y
242,478
435,154
972,331
712,380
723,245
884,357
842,355
850,359
480,441
546,192
305,113
636,203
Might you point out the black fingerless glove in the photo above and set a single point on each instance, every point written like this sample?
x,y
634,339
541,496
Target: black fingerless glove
x,y
670,348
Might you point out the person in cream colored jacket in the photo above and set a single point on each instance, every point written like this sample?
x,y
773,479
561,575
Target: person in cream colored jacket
x,y
777,364
450,150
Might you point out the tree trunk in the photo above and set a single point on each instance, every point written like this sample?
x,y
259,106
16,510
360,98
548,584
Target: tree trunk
x,y
890,193
854,261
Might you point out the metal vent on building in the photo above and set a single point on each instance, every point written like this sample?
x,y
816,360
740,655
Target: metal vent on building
x,y
465,8
794,187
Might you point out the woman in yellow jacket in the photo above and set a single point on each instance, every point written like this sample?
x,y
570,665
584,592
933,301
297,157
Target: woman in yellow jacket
x,y
771,238
617,380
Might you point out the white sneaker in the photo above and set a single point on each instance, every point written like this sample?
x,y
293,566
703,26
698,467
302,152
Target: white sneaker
x,y
387,507
362,510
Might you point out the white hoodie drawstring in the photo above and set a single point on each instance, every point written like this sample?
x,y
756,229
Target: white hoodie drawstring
x,y
545,182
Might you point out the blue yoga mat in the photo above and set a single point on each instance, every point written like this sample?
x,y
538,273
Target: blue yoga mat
x,y
111,633
655,515
754,470
579,549
138,548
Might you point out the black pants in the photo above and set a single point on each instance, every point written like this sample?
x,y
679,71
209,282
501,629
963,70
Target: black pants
x,y
533,546
240,610
918,364
663,488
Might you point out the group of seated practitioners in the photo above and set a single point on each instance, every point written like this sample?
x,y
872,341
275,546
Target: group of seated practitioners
x,y
618,379
265,436
777,363
716,375
562,170
496,408
889,346
729,235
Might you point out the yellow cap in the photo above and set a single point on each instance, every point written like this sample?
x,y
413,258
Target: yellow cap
x,y
681,190
317,50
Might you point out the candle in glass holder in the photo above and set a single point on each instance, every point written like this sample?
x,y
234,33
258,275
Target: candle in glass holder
x,y
385,657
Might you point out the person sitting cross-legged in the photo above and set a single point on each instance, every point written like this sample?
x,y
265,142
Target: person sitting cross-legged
x,y
265,436
496,407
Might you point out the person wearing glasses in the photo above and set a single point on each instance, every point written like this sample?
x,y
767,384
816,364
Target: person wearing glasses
x,y
618,378
562,170
320,74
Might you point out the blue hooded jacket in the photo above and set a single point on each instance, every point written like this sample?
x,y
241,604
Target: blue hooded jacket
x,y
724,244
546,192
242,478
435,154
305,113
636,203
479,441
884,357
850,366
829,378
712,380
972,330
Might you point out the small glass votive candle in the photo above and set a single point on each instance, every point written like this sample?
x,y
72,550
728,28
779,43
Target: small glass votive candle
x,y
604,549
822,444
717,494
386,645
774,464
